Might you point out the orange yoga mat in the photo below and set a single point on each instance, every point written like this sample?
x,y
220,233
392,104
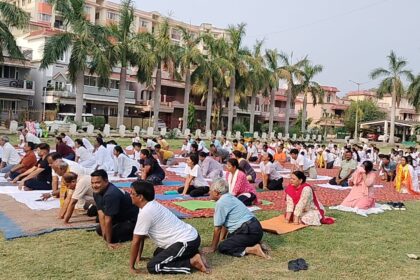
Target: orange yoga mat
x,y
279,225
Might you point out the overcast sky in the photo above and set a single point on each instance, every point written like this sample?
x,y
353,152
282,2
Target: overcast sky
x,y
349,38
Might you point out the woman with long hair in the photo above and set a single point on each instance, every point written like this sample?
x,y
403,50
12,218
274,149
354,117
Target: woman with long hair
x,y
238,183
124,167
406,180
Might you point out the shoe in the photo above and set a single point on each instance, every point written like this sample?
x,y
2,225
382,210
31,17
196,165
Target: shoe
x,y
395,206
302,264
293,265
402,206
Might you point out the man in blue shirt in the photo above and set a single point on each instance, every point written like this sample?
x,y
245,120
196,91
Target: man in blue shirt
x,y
231,217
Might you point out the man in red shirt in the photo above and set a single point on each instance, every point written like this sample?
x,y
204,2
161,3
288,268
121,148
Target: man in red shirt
x,y
28,161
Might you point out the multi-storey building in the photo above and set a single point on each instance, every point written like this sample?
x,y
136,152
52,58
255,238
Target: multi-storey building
x,y
328,113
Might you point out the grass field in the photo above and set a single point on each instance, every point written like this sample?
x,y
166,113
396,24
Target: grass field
x,y
353,248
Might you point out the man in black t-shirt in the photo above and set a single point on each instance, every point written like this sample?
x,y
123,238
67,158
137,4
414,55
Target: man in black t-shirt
x,y
151,170
40,176
117,215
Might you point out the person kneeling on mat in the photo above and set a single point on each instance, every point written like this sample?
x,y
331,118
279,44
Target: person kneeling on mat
x,y
232,217
177,242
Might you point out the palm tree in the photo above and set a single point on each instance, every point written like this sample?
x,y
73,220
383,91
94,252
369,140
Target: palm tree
x,y
11,17
292,73
257,79
312,87
164,52
188,56
123,40
87,43
208,77
237,55
272,57
414,92
392,84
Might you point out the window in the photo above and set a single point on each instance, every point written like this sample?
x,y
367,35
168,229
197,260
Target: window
x,y
97,16
328,98
176,34
44,17
9,72
59,86
62,58
115,84
87,9
90,81
144,23
113,16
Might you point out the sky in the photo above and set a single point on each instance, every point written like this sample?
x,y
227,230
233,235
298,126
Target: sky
x,y
349,38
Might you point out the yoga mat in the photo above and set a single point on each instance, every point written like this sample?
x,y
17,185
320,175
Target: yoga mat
x,y
170,192
266,202
172,183
278,225
171,196
194,205
2,184
178,214
122,184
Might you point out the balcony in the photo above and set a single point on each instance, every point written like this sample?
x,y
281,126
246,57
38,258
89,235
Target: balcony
x,y
20,87
279,114
107,95
148,105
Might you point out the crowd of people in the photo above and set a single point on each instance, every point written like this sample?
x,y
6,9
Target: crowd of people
x,y
78,173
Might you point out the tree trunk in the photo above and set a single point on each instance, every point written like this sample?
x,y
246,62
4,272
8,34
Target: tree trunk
x,y
231,102
252,117
121,96
186,99
305,105
209,104
80,78
156,101
287,115
393,107
271,116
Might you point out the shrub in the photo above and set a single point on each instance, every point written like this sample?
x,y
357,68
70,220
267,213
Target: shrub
x,y
240,127
98,122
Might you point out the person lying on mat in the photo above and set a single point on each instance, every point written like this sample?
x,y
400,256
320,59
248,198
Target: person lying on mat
x,y
177,242
361,181
151,170
240,231
244,165
117,215
165,157
27,162
270,172
302,206
124,167
210,168
238,183
348,166
195,184
79,194
39,176
302,163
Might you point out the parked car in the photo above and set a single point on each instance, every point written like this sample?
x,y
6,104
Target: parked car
x,y
64,120
385,138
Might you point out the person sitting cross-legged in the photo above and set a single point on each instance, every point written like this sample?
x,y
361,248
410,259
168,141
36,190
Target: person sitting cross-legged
x,y
117,215
270,171
348,166
177,242
151,170
195,184
27,162
233,218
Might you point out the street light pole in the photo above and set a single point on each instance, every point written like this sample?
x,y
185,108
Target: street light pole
x,y
43,109
356,136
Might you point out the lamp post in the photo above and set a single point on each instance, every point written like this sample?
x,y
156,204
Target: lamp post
x,y
44,94
356,136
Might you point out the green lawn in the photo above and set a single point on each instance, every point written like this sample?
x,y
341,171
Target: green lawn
x,y
353,248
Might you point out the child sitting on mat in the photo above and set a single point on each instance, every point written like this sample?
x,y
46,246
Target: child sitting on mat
x,y
195,184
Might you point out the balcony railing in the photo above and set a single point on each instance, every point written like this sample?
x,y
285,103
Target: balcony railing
x,y
107,92
20,84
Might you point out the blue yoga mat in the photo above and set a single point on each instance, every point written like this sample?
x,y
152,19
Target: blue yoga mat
x,y
9,228
122,184
179,214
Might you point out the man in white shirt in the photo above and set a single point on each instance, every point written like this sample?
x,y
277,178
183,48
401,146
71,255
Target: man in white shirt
x,y
178,242
29,137
252,152
302,163
10,157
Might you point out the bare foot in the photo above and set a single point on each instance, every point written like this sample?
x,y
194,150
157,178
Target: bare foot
x,y
197,263
265,247
257,250
203,258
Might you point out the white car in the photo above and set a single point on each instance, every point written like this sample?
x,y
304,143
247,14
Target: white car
x,y
385,138
65,119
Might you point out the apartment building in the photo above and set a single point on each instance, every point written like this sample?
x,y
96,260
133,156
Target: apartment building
x,y
328,113
54,91
404,111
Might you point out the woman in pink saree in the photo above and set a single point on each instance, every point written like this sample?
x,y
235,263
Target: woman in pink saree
x,y
361,194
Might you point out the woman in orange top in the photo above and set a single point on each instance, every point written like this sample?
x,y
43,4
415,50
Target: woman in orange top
x,y
280,155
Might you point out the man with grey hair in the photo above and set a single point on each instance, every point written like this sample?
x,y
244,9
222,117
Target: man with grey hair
x,y
29,137
10,156
232,217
